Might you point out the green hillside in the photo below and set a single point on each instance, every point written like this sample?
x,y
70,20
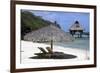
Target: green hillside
x,y
31,22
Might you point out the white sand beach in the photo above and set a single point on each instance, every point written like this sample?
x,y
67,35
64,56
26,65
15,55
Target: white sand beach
x,y
28,49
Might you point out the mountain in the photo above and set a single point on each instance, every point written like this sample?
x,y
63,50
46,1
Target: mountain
x,y
31,22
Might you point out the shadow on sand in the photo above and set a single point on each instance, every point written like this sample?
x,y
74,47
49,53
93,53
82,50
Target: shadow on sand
x,y
54,55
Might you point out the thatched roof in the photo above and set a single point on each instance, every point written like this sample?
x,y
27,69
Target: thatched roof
x,y
47,33
76,26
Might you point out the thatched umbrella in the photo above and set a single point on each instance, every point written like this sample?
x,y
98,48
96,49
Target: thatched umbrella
x,y
47,33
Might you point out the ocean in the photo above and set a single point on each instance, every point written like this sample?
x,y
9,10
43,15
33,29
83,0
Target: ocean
x,y
79,43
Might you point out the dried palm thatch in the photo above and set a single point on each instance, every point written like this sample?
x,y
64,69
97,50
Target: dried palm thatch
x,y
47,33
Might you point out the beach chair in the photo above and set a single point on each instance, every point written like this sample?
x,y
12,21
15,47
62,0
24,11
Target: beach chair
x,y
44,53
49,50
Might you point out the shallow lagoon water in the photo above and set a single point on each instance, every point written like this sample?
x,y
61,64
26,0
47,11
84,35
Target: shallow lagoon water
x,y
79,43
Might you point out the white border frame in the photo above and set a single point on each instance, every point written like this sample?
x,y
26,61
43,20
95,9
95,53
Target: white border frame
x,y
58,63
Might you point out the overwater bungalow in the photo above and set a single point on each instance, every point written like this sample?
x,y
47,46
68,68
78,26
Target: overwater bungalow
x,y
76,29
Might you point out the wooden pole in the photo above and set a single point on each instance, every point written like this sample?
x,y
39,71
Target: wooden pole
x,y
51,41
51,44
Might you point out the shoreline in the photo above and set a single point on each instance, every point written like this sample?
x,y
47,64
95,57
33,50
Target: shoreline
x,y
29,48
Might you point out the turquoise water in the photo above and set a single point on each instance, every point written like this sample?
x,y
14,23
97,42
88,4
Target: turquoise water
x,y
79,43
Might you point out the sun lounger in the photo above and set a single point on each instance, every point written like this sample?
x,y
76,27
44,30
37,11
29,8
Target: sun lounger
x,y
43,51
49,50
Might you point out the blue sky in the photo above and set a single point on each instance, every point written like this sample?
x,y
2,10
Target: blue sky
x,y
65,19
